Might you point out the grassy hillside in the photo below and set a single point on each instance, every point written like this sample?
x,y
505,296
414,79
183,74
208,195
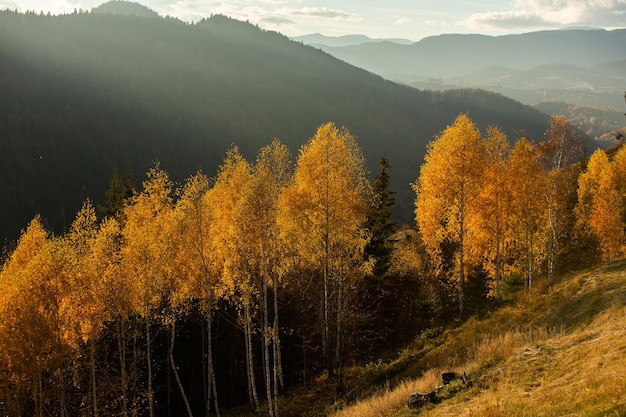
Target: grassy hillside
x,y
559,351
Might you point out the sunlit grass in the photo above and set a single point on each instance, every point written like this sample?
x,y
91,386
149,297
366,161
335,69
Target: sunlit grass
x,y
560,351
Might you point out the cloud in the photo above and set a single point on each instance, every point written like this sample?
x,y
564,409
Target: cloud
x,y
6,4
533,14
281,1
506,20
325,13
402,21
277,21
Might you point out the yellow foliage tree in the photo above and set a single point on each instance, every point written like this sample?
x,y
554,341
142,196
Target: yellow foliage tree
x,y
230,243
196,264
494,207
34,280
448,190
146,253
600,205
560,148
84,303
256,219
322,214
526,184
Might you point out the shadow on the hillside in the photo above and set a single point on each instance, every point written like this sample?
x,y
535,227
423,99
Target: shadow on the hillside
x,y
578,303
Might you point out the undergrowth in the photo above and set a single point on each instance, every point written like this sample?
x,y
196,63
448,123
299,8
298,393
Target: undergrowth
x,y
558,351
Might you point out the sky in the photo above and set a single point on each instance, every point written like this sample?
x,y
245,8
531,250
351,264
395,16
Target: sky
x,y
408,19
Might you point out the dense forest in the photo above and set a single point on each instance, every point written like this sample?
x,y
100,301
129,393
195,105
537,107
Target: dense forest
x,y
85,93
186,299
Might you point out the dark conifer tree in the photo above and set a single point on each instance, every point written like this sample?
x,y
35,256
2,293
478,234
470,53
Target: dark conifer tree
x,y
380,222
118,192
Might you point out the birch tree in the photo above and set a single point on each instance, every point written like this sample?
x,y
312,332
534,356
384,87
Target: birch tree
x,y
325,210
237,267
145,254
600,205
560,149
527,184
494,206
447,192
256,215
197,262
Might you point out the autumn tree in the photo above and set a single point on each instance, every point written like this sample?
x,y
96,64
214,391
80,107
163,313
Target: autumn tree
x,y
325,210
619,168
600,205
106,265
146,254
21,337
526,184
256,218
197,263
448,189
84,303
34,281
558,151
236,266
494,207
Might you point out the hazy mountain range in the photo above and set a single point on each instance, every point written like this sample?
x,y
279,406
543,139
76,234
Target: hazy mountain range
x,y
322,41
88,92
578,66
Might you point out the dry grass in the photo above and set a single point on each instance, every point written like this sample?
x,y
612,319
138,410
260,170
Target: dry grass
x,y
559,352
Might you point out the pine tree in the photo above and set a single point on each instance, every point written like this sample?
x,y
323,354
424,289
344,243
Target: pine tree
x,y
380,222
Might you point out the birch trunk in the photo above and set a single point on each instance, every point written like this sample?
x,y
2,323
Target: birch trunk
x,y
149,364
92,358
250,360
175,370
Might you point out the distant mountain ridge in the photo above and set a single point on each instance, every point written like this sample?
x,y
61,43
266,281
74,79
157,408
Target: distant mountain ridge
x,y
453,55
317,39
125,8
582,66
87,92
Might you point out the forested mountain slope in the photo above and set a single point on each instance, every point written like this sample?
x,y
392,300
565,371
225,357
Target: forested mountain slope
x,y
87,92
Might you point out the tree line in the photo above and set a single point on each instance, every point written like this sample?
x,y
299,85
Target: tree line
x,y
92,320
487,207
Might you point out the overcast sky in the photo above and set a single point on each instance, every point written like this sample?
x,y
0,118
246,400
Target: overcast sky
x,y
410,19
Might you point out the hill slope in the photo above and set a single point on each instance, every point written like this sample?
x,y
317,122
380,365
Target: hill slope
x,y
559,351
448,56
125,8
583,67
84,93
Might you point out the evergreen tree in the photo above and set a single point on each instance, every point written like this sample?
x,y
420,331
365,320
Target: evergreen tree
x,y
119,191
380,222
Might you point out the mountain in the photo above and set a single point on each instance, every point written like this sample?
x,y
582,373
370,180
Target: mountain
x,y
125,8
601,124
447,56
583,67
85,93
319,40
598,86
